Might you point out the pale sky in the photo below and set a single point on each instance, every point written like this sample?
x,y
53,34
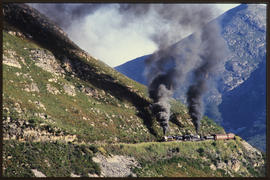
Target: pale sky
x,y
225,7
101,37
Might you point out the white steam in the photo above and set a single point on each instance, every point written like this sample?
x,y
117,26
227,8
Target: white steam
x,y
103,35
113,35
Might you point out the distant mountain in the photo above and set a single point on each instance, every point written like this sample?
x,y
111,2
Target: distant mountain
x,y
244,30
67,114
244,108
134,73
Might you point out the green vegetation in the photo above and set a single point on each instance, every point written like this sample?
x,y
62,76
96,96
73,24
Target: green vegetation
x,y
91,118
66,111
112,118
200,151
52,159
176,159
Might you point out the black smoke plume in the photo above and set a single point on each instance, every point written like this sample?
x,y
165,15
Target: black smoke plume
x,y
194,99
213,50
167,67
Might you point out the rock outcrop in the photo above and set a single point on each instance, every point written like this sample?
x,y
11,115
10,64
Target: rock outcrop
x,y
116,166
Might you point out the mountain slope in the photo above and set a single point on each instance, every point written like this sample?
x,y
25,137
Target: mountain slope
x,y
65,113
134,73
244,29
246,105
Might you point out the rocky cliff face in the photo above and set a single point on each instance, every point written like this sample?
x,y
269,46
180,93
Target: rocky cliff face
x,y
244,29
68,114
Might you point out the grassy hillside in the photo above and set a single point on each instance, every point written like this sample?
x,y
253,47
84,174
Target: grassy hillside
x,y
63,109
168,159
57,100
192,159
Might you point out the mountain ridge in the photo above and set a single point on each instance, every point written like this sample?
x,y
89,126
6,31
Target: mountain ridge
x,y
61,102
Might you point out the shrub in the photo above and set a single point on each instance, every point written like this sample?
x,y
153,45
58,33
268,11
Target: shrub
x,y
200,151
93,148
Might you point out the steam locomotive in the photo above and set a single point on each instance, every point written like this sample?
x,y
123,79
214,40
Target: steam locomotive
x,y
199,137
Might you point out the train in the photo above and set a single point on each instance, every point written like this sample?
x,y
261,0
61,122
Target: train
x,y
197,137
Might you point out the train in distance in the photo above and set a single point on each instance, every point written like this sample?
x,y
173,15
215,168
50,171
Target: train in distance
x,y
199,138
